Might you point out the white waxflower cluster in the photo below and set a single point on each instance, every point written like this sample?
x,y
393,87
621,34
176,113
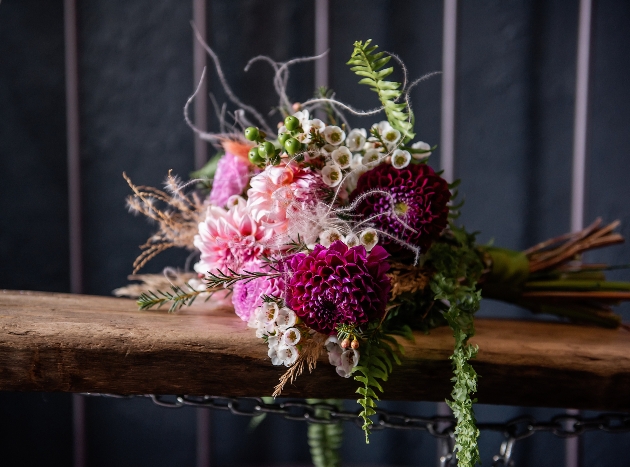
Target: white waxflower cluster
x,y
277,325
368,238
348,157
343,360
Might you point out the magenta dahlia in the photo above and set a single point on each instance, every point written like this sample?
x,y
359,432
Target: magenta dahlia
x,y
337,285
420,199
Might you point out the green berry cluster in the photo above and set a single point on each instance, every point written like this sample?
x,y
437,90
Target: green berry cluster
x,y
288,140
265,153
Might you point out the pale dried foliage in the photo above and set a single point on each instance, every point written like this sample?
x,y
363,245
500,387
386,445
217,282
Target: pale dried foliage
x,y
406,278
311,350
153,282
177,215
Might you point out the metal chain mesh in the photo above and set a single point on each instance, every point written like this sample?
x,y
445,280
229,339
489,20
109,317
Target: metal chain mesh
x,y
442,427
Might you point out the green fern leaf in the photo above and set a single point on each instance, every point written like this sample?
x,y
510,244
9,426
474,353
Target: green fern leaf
x,y
369,64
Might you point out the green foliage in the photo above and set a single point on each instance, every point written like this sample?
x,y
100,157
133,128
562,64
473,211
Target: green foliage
x,y
460,267
206,173
324,440
379,352
296,246
369,64
178,297
221,279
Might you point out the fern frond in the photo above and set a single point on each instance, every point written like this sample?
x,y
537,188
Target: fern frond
x,y
324,440
379,352
370,65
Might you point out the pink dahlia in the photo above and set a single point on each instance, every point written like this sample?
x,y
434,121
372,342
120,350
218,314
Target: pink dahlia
x,y
229,239
230,179
247,295
280,193
420,199
337,285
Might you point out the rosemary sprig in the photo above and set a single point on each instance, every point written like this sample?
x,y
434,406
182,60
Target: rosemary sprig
x,y
220,279
178,297
296,246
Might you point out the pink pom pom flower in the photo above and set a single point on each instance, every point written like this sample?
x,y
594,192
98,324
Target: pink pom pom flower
x,y
247,295
231,178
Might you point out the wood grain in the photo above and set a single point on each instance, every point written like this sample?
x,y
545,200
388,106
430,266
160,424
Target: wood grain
x,y
77,343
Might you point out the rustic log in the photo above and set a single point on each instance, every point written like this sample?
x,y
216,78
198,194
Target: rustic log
x,y
78,343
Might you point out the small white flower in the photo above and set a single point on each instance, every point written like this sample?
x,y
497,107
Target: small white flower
x,y
288,354
372,158
334,135
369,238
382,126
389,135
303,138
291,337
331,343
331,175
315,124
269,312
329,236
356,170
425,147
334,356
351,240
342,157
401,159
334,351
286,317
273,355
274,341
356,139
327,150
349,359
391,138
302,116
357,162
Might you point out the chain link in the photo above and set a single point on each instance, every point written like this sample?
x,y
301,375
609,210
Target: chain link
x,y
563,425
439,426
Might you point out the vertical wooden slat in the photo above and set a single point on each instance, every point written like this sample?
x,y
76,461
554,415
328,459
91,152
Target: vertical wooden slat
x,y
322,25
578,186
73,141
449,49
74,200
581,116
200,61
203,438
447,123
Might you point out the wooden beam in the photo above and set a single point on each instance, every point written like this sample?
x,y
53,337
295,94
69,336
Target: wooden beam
x,y
78,343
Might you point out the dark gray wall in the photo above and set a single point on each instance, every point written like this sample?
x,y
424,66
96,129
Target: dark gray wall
x,y
515,102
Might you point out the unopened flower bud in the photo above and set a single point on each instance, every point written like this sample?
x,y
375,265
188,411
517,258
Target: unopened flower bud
x,y
296,106
355,344
345,343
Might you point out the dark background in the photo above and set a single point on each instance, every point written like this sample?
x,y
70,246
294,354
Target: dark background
x,y
516,64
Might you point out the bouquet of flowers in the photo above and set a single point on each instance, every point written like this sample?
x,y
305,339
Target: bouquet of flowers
x,y
339,242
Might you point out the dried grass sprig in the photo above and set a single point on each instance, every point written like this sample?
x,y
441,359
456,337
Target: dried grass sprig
x,y
311,350
405,278
176,213
153,282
